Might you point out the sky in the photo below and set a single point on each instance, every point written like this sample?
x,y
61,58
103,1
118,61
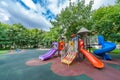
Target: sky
x,y
37,13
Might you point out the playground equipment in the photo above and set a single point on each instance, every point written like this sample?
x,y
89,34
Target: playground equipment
x,y
50,53
72,51
84,35
106,48
76,50
68,59
92,59
79,49
61,45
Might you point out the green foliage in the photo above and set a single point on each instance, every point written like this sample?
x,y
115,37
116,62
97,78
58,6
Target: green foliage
x,y
107,22
51,36
17,36
116,51
118,2
3,51
74,17
104,21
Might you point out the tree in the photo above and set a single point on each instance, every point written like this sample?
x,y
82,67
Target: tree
x,y
74,17
106,22
118,2
4,38
17,36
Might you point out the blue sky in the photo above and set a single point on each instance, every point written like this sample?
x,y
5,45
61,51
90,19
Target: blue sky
x,y
37,13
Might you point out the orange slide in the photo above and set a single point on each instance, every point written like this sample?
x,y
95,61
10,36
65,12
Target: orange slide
x,y
93,60
69,58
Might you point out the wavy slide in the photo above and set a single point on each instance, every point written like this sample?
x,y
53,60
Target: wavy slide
x,y
91,58
106,47
48,55
69,58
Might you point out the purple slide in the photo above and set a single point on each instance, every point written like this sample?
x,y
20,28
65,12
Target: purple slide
x,y
48,55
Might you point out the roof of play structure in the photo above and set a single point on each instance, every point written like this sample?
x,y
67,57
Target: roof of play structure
x,y
83,30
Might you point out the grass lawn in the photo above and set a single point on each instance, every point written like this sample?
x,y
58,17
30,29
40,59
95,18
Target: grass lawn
x,y
116,51
3,51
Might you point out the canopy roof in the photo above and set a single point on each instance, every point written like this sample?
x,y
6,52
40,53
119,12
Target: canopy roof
x,y
83,30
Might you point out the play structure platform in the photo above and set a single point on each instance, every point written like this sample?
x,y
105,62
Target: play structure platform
x,y
70,57
79,45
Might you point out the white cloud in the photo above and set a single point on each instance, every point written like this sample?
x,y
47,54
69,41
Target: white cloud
x,y
73,0
30,4
33,19
64,5
54,8
4,3
99,3
4,15
18,14
13,12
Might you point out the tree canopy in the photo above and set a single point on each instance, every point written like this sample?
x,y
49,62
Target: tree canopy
x,y
107,22
17,36
72,18
104,20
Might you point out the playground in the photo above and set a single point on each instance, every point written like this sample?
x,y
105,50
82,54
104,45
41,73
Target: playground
x,y
59,40
27,66
72,62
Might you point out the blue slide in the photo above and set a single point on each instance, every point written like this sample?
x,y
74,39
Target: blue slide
x,y
106,48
